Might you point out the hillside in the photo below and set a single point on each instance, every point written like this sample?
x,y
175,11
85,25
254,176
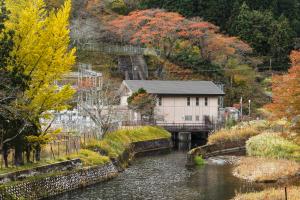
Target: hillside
x,y
223,59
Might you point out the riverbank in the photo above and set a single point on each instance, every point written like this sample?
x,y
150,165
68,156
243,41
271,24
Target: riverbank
x,y
266,170
120,154
271,194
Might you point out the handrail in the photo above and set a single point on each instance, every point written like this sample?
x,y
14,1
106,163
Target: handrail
x,y
117,49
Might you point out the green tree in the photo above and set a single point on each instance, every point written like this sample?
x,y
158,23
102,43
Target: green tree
x,y
143,103
281,40
12,85
254,27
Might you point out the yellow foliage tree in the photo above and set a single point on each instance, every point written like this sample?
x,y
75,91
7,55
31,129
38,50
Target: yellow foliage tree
x,y
41,48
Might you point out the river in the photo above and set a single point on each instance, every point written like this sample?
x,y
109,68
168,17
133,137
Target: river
x,y
165,176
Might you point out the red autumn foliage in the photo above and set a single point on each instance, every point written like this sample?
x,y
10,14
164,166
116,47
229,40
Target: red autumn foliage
x,y
286,93
159,29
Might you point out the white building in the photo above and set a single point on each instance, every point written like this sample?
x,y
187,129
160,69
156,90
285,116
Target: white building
x,y
178,102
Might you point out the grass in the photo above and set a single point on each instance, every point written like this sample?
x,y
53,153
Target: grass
x,y
272,145
271,194
88,158
264,169
30,165
199,161
239,132
115,143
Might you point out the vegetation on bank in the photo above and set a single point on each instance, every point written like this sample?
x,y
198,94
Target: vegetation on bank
x,y
115,143
242,131
271,194
265,169
199,161
272,145
88,158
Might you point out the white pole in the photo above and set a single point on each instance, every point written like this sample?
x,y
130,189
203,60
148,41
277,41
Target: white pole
x,y
249,107
241,103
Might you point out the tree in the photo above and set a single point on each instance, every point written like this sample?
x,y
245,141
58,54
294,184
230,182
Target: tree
x,y
143,103
281,40
286,94
41,50
12,84
162,30
103,110
269,36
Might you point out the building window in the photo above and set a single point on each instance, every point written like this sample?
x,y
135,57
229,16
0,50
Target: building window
x,y
197,101
188,101
206,101
188,118
197,118
160,101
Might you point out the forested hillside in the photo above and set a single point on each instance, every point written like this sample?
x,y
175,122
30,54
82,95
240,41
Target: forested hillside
x,y
194,40
271,27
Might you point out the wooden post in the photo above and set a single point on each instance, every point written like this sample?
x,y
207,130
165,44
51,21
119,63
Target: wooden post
x,y
285,192
57,148
84,138
52,151
66,146
1,161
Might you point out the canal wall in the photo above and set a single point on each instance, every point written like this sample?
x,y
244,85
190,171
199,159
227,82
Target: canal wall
x,y
50,184
60,166
210,150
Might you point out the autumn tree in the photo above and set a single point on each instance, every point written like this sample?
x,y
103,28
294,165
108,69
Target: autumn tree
x,y
286,94
41,50
143,103
165,30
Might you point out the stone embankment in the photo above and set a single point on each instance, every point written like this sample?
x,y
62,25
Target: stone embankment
x,y
58,179
210,150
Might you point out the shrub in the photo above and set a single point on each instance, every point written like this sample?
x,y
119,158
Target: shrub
x,y
115,143
199,161
89,158
272,145
119,6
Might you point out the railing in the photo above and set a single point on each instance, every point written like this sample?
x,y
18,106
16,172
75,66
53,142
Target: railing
x,y
187,126
117,49
175,126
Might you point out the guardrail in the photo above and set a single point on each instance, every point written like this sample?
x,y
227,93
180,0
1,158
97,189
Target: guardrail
x,y
174,127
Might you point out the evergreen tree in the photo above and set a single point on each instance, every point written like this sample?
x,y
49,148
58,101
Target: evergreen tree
x,y
253,27
281,40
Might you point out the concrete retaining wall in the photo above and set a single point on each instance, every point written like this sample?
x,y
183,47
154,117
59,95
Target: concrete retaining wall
x,y
226,148
60,166
50,185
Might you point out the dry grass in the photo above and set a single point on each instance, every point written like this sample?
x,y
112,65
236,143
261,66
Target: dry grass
x,y
263,169
239,132
271,194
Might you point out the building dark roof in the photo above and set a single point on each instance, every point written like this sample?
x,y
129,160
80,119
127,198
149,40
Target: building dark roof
x,y
175,87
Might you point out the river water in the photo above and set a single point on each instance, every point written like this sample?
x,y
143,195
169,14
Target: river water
x,y
160,177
